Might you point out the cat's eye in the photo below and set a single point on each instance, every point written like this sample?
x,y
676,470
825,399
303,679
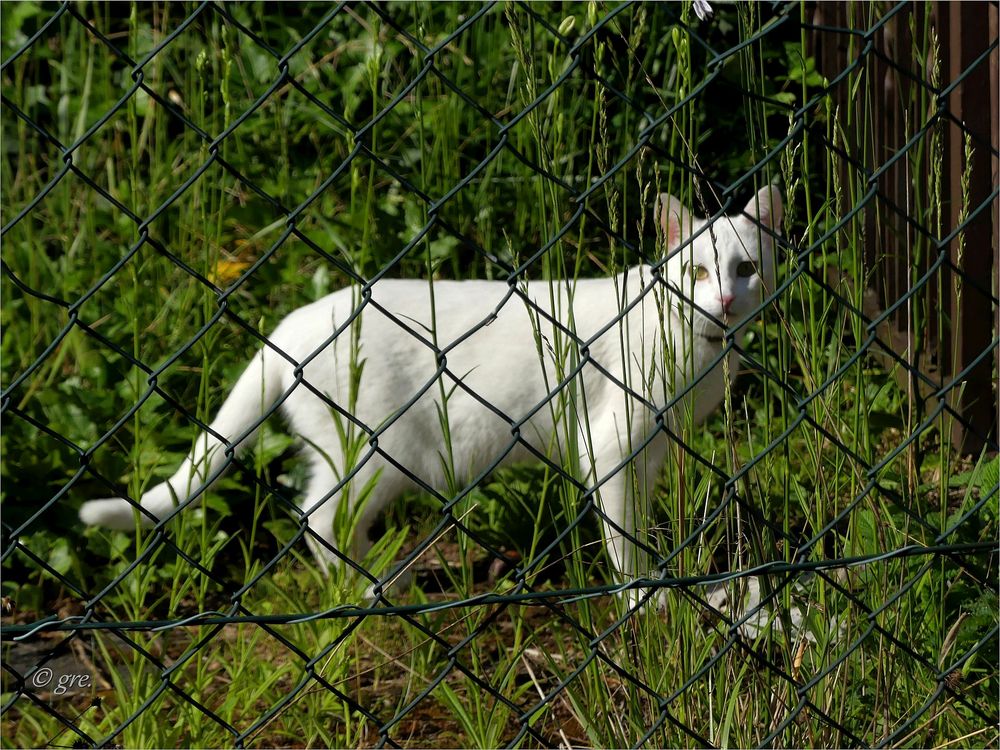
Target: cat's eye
x,y
699,272
746,269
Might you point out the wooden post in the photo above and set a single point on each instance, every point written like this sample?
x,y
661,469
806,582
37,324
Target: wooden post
x,y
971,319
972,310
994,26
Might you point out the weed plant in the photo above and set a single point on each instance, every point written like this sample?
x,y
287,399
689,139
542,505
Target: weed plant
x,y
278,213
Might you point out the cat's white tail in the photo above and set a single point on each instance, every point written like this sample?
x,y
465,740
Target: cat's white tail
x,y
254,393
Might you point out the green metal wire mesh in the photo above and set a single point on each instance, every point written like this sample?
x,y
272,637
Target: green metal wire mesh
x,y
745,601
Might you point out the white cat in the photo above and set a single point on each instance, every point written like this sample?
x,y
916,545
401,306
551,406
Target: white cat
x,y
489,366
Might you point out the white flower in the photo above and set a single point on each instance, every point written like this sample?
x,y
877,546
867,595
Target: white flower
x,y
702,9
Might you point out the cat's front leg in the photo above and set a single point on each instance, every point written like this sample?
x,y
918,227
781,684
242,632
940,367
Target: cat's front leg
x,y
624,493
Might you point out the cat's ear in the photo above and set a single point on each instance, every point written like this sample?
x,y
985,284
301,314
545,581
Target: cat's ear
x,y
675,220
766,207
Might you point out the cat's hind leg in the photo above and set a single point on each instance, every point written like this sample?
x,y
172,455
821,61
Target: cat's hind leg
x,y
341,514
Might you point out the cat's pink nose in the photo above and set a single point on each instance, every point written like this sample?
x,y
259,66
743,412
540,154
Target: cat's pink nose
x,y
726,302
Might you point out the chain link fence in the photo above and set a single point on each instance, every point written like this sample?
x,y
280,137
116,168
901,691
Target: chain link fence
x,y
178,178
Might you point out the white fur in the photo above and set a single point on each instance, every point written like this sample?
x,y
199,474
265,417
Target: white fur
x,y
659,346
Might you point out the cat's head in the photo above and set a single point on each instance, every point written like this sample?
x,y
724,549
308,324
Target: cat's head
x,y
728,267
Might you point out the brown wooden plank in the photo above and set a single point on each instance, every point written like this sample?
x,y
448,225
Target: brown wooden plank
x,y
898,108
994,24
972,311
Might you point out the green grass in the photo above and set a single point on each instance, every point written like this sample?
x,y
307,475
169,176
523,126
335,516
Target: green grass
x,y
308,683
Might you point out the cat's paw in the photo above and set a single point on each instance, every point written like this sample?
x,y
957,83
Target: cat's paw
x,y
650,598
390,587
643,599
